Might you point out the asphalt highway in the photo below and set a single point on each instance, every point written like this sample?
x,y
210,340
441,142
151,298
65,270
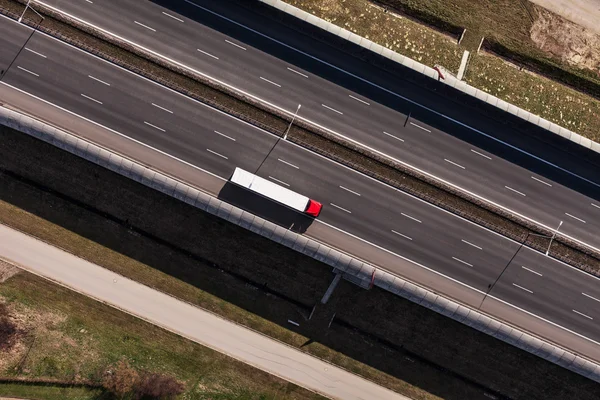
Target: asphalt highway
x,y
363,207
235,46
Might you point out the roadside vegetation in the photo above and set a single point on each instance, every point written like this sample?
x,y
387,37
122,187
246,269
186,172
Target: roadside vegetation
x,y
56,335
412,28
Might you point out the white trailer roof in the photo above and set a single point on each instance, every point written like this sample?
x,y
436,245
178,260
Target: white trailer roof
x,y
269,189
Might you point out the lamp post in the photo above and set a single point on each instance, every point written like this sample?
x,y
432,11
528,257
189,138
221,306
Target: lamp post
x,y
24,11
291,122
553,236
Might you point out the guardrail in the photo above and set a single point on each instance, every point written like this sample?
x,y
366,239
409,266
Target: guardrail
x,y
362,271
432,73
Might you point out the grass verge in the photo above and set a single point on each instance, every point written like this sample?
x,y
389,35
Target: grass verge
x,y
49,392
324,143
206,261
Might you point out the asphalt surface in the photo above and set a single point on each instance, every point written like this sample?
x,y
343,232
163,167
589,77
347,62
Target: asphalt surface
x,y
201,35
186,320
358,205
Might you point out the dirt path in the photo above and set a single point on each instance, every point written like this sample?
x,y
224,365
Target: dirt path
x,y
583,12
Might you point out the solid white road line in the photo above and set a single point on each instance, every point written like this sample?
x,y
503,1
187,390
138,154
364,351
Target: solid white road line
x,y
277,180
357,99
471,244
217,154
341,208
271,82
413,218
296,72
530,270
224,135
461,261
154,126
290,164
420,127
235,44
516,191
162,108
291,112
332,109
453,163
481,154
208,54
35,52
145,26
351,191
541,181
91,98
521,287
98,80
591,297
395,137
26,70
574,217
582,314
404,236
171,16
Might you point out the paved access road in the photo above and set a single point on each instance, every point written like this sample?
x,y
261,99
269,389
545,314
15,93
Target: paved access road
x,y
285,68
480,260
186,320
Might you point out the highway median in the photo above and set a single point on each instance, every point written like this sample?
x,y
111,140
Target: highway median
x,y
321,141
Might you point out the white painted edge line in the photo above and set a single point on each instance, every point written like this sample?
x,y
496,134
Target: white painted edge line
x,y
98,80
279,181
357,99
541,181
26,70
351,191
332,109
235,44
91,98
172,16
217,154
471,287
530,270
461,261
145,26
296,72
582,314
400,234
208,54
591,297
35,52
292,112
271,82
574,217
522,288
115,132
225,136
413,218
154,126
341,208
516,191
481,154
396,137
471,244
287,163
420,127
162,108
453,163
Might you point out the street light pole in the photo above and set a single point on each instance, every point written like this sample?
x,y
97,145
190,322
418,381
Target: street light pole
x,y
553,236
291,122
24,11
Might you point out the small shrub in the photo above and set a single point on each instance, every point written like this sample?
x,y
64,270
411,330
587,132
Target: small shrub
x,y
157,386
120,379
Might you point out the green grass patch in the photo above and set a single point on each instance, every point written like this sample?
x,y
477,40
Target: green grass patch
x,y
48,392
73,338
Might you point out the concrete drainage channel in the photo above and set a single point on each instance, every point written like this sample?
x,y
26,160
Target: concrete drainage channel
x,y
352,269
